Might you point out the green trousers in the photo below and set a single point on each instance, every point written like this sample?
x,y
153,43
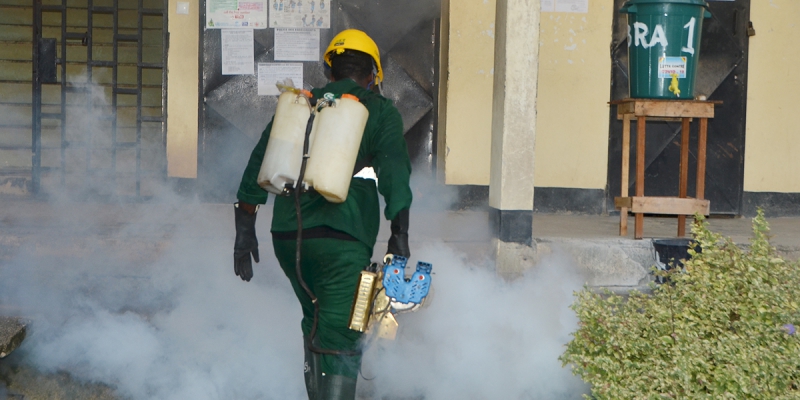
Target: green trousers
x,y
331,269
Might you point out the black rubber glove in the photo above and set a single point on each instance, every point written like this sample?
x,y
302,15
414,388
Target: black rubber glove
x,y
246,242
398,242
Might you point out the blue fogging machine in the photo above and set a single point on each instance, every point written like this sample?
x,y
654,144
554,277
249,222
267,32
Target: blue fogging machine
x,y
383,293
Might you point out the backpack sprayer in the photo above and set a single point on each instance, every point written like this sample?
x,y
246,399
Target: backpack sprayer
x,y
291,166
313,144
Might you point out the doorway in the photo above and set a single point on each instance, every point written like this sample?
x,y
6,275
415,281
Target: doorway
x,y
233,115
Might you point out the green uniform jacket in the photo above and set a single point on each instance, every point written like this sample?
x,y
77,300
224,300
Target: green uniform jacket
x,y
359,216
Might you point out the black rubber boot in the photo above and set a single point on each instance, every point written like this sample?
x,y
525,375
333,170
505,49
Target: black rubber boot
x,y
312,371
337,387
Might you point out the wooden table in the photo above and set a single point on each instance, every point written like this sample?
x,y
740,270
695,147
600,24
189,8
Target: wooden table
x,y
660,110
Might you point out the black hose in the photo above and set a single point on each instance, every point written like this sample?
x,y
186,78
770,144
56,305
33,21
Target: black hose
x,y
298,253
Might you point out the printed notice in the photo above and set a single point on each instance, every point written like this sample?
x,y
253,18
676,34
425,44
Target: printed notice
x,y
671,65
236,14
237,52
300,14
570,6
271,73
296,44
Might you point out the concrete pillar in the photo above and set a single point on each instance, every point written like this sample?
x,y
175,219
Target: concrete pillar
x,y
516,70
182,79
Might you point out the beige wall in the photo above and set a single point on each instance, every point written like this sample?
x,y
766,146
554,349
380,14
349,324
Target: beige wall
x,y
465,117
772,144
574,88
182,91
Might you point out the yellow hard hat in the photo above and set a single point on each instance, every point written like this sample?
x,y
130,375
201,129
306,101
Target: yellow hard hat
x,y
354,39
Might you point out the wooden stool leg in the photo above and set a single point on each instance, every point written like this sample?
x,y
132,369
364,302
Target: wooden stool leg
x,y
684,172
701,159
626,159
638,232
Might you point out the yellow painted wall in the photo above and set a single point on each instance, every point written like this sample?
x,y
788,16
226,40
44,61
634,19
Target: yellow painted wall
x,y
182,91
466,85
772,143
574,88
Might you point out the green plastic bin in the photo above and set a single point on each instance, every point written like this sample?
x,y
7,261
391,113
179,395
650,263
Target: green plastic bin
x,y
664,46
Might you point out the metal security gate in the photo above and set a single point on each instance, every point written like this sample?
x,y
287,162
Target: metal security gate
x,y
233,115
721,75
99,97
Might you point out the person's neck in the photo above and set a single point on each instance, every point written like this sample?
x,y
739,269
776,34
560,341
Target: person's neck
x,y
364,83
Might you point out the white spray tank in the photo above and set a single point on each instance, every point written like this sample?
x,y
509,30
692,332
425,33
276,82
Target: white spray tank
x,y
337,135
284,152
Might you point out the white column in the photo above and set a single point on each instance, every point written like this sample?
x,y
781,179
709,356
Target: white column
x,y
516,70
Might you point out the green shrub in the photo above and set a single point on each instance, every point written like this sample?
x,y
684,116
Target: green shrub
x,y
721,329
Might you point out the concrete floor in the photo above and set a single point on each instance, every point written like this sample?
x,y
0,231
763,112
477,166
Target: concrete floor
x,y
785,230
74,229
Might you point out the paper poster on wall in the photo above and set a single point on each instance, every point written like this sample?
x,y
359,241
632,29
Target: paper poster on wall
x,y
573,6
237,52
271,73
296,44
236,14
299,14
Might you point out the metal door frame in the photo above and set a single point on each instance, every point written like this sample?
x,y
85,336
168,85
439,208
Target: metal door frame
x,y
216,131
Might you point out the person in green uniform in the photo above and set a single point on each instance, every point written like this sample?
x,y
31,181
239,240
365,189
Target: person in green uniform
x,y
337,239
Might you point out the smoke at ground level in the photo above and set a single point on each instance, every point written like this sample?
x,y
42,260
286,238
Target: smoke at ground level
x,y
482,337
174,322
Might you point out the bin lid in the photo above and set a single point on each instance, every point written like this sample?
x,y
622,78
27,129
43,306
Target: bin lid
x,y
692,2
630,6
